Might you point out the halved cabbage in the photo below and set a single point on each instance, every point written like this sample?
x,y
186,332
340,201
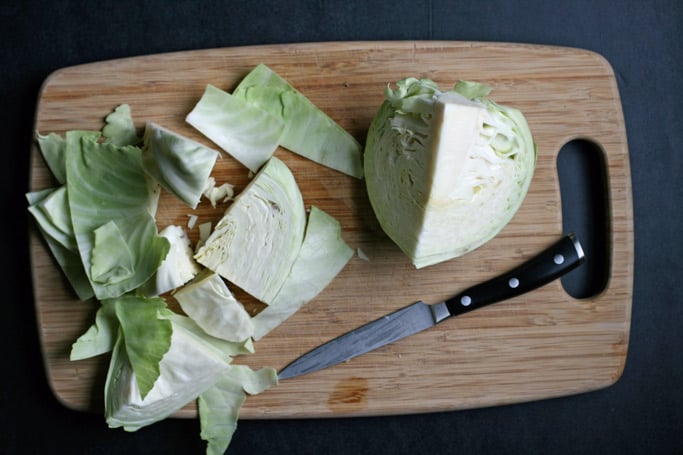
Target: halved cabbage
x,y
445,171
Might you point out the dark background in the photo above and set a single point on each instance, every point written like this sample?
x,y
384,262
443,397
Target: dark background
x,y
642,413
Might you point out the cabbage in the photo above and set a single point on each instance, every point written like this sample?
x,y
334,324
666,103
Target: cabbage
x,y
53,149
246,132
256,242
322,256
445,171
181,165
60,239
209,302
193,363
308,131
219,405
111,201
119,128
177,268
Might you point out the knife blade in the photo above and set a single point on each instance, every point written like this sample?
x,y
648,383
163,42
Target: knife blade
x,y
563,256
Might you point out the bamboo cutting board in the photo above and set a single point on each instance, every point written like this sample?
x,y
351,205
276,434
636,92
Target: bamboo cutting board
x,y
544,344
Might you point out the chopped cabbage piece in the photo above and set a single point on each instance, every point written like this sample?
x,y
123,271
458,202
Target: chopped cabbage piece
x,y
256,242
209,302
180,165
322,256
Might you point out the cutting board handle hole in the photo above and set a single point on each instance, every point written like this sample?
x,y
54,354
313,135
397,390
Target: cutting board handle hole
x,y
582,173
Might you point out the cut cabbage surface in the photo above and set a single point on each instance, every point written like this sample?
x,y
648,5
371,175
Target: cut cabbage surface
x,y
446,172
256,242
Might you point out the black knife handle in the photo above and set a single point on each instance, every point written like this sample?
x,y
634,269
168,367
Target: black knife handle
x,y
560,258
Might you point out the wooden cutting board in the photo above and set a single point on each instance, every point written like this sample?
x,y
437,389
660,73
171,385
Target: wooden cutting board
x,y
544,344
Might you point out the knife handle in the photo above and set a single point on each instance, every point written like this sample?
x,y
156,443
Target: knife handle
x,y
560,258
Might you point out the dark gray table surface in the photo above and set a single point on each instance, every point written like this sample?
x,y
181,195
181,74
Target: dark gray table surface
x,y
641,414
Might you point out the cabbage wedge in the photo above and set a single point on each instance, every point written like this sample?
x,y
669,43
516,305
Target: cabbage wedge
x,y
446,171
256,242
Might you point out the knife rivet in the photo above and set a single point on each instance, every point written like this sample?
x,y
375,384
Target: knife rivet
x,y
513,283
465,300
558,259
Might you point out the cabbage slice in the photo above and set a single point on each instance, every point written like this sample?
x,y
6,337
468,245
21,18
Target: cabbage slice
x,y
308,130
119,128
219,406
180,165
177,268
247,132
256,242
322,256
444,172
193,364
209,302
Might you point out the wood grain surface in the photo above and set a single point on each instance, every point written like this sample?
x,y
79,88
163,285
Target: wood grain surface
x,y
544,344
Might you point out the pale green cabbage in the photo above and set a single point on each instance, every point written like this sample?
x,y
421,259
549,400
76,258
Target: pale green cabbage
x,y
446,171
111,201
209,302
322,256
308,131
180,165
177,268
256,242
248,133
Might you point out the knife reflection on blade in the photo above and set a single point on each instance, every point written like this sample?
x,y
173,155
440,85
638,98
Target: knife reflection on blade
x,y
555,261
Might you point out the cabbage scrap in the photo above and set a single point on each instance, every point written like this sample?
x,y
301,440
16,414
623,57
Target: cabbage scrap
x,y
177,268
446,171
209,302
219,405
180,165
192,364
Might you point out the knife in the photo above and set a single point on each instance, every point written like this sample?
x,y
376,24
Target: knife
x,y
560,258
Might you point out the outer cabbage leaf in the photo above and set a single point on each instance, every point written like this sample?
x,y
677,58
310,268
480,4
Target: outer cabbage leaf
x,y
209,302
147,336
219,406
308,130
53,148
100,337
322,256
106,184
247,132
445,171
51,211
119,128
256,242
180,165
193,364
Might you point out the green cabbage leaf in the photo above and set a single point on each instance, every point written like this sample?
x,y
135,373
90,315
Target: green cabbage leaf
x,y
322,256
180,165
308,131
